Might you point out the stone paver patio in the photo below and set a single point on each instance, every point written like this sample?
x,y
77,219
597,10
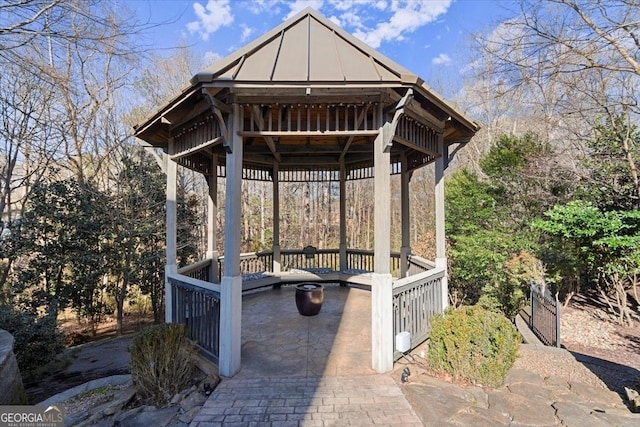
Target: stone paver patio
x,y
316,371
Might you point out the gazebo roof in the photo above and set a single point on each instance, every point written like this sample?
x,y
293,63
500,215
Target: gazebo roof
x,y
307,48
305,55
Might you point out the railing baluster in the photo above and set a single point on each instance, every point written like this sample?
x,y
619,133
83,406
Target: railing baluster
x,y
414,303
199,309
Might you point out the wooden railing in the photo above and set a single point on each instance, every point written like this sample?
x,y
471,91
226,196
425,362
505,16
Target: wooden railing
x,y
256,262
395,261
250,262
358,259
318,258
195,301
196,304
419,265
415,300
199,270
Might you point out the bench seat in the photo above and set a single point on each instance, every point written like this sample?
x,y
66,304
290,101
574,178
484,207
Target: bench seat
x,y
324,275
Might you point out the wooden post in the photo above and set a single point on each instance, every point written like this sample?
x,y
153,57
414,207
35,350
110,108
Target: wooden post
x,y
231,286
441,254
212,213
382,284
381,322
405,249
171,266
277,265
343,216
382,206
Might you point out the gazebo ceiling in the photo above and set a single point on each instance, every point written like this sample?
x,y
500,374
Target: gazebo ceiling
x,y
311,97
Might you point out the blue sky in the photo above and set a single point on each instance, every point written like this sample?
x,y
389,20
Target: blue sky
x,y
425,36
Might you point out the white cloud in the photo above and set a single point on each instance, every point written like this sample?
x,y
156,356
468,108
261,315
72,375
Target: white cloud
x,y
297,5
336,20
407,17
211,57
258,6
381,5
442,59
216,14
351,19
246,32
351,4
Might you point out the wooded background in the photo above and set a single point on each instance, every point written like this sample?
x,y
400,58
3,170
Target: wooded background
x,y
546,192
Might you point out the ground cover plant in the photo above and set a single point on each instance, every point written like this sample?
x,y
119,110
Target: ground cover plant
x,y
161,363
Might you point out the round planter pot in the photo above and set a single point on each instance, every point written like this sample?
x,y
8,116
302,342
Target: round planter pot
x,y
309,298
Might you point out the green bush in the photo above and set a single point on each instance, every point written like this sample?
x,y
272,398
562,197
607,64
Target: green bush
x,y
37,340
473,344
161,363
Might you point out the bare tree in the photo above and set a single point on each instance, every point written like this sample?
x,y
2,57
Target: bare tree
x,y
572,65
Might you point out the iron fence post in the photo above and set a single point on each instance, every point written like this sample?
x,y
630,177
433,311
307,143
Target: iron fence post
x,y
557,322
531,299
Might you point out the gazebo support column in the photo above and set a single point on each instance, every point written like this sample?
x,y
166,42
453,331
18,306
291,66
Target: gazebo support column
x,y
277,262
405,249
212,213
343,216
231,286
441,253
171,266
382,284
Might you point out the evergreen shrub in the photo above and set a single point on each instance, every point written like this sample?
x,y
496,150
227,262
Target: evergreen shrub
x,y
37,340
161,364
473,344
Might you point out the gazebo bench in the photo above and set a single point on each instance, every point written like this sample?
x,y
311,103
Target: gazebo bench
x,y
325,275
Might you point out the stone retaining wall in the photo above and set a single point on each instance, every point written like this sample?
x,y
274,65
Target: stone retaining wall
x,y
11,388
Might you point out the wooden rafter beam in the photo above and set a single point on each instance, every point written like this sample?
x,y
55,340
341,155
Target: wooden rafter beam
x,y
416,147
284,150
310,161
197,148
351,137
196,110
310,133
424,117
259,120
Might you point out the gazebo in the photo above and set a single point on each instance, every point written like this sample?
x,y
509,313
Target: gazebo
x,y
306,101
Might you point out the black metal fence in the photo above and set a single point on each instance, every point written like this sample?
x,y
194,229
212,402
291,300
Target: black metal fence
x,y
545,316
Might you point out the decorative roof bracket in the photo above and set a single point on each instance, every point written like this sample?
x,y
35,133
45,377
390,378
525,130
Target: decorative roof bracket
x,y
389,129
160,160
217,107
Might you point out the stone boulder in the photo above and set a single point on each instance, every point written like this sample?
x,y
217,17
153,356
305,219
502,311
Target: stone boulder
x,y
11,387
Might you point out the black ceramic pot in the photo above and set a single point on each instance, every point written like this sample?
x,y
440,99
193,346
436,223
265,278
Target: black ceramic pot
x,y
309,298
